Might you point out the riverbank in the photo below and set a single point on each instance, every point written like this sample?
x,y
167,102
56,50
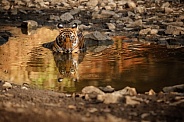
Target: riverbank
x,y
22,103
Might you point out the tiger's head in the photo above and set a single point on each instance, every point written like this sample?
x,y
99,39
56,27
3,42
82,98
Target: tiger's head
x,y
69,39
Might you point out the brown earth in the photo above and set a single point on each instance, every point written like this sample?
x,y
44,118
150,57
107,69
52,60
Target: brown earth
x,y
20,104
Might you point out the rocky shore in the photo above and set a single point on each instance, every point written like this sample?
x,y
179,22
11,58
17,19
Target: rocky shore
x,y
159,21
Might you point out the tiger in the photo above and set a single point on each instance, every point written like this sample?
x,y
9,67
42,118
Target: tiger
x,y
69,40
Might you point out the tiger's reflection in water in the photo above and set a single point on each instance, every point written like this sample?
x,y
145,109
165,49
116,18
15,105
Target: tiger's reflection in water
x,y
67,65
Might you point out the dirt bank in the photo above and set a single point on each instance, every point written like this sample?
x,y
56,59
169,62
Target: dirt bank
x,y
20,103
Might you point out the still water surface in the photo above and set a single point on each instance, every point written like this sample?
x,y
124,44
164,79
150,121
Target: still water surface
x,y
23,59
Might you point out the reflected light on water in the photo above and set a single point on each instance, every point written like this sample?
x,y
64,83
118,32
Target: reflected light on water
x,y
25,60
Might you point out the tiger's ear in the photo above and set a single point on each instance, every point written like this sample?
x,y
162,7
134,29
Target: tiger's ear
x,y
60,26
74,25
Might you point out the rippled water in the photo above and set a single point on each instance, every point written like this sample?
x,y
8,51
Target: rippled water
x,y
25,60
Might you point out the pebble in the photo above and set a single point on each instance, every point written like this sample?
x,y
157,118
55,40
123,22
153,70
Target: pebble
x,y
7,85
66,17
72,107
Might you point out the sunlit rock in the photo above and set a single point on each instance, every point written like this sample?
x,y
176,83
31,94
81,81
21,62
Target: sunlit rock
x,y
7,85
129,100
92,3
126,91
144,31
91,89
111,26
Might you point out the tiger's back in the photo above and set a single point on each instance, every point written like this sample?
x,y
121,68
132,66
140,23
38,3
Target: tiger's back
x,y
69,40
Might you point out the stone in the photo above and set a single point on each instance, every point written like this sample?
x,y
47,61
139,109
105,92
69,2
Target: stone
x,y
7,85
132,100
151,92
153,31
112,98
166,4
168,10
92,110
126,91
72,107
107,89
66,17
54,17
75,11
92,89
131,4
92,3
144,115
144,31
84,27
136,23
29,24
176,88
2,40
103,14
97,36
174,30
111,26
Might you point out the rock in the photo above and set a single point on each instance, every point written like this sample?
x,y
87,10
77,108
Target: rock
x,y
144,31
144,115
139,9
92,3
7,85
132,100
107,89
97,36
113,98
75,11
126,91
2,40
153,31
166,4
72,107
55,18
176,88
136,23
151,92
168,10
66,17
84,27
174,30
92,110
131,4
29,24
92,89
103,14
111,26
14,11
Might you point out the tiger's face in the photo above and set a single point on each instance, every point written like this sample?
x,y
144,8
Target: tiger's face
x,y
69,39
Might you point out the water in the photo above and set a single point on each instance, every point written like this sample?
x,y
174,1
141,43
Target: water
x,y
25,60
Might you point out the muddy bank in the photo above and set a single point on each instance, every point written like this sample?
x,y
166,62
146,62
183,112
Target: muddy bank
x,y
21,103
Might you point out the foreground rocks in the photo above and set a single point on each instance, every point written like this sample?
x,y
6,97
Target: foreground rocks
x,y
23,103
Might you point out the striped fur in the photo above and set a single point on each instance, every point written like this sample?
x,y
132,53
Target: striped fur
x,y
69,40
